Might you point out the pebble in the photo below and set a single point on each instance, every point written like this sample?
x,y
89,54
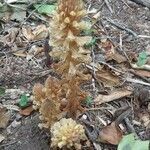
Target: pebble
x,y
15,123
18,117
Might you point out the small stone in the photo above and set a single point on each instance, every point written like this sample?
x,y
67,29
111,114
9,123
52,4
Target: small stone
x,y
15,123
18,117
27,94
84,117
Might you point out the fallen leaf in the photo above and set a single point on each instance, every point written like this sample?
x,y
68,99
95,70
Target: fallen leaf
x,y
24,100
36,33
35,50
40,32
143,116
143,73
110,52
27,33
4,117
2,91
88,101
27,111
107,78
115,95
20,53
110,134
117,57
91,43
18,15
1,138
131,142
142,59
45,8
10,38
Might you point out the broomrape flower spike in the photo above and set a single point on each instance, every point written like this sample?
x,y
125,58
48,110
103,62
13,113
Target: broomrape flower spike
x,y
67,133
65,29
68,47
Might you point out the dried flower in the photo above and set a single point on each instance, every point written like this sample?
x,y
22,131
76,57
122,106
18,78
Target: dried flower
x,y
4,117
67,133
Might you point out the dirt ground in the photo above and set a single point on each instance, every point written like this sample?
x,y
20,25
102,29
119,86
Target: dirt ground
x,y
19,73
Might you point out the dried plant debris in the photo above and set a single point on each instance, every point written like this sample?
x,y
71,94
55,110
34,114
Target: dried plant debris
x,y
114,95
4,117
111,134
67,133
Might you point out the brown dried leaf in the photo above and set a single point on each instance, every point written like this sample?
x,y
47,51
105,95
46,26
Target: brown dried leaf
x,y
111,53
113,96
110,134
10,38
143,73
4,117
20,53
144,117
27,111
107,78
27,33
117,57
40,32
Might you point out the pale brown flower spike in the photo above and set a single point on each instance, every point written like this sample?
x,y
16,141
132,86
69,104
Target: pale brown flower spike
x,y
68,47
45,99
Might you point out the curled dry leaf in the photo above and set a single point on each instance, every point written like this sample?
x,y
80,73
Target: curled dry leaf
x,y
111,53
110,134
4,117
115,95
144,117
107,78
20,53
143,73
27,111
37,33
10,38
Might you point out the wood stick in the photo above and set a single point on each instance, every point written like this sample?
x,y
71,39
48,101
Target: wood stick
x,y
142,2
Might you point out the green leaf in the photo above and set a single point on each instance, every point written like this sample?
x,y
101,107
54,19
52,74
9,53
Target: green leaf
x,y
2,91
130,142
45,8
88,32
88,100
23,101
142,59
91,43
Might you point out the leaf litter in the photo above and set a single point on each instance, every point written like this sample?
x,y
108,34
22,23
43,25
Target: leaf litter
x,y
26,65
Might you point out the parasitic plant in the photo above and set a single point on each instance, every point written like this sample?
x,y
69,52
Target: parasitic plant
x,y
65,94
65,30
67,133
